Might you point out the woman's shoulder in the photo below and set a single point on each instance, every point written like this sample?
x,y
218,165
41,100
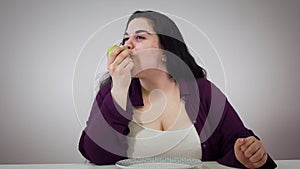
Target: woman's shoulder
x,y
203,82
208,88
204,85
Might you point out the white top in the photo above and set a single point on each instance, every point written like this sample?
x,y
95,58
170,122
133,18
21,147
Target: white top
x,y
145,142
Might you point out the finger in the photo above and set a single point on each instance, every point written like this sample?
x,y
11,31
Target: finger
x,y
237,150
248,141
122,68
113,55
261,162
239,142
125,62
252,149
121,56
129,66
257,156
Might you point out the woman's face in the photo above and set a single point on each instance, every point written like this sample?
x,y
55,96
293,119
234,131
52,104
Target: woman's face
x,y
140,35
145,46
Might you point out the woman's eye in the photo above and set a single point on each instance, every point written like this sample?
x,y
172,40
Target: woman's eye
x,y
140,37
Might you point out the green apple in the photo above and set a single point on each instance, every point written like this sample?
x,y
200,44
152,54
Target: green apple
x,y
112,48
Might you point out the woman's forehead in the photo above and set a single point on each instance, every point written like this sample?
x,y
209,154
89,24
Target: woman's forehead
x,y
139,24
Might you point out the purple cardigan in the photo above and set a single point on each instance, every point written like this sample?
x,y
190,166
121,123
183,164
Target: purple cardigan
x,y
104,140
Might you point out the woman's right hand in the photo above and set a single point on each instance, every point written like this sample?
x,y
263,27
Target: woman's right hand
x,y
119,66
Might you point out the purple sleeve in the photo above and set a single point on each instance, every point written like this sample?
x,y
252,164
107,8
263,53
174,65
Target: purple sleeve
x,y
220,145
103,141
232,129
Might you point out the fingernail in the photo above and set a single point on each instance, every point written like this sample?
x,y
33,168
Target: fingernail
x,y
241,140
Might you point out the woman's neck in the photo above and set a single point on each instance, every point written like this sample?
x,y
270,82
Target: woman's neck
x,y
161,81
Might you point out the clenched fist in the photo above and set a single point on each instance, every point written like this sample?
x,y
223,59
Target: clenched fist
x,y
250,152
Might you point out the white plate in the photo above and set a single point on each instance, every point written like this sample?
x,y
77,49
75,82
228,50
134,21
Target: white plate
x,y
159,162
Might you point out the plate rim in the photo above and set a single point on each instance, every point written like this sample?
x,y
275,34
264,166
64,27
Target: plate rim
x,y
132,165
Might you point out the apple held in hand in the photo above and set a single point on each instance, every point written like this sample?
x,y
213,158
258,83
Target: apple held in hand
x,y
112,48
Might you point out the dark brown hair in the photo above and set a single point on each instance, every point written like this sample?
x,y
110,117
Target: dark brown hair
x,y
172,41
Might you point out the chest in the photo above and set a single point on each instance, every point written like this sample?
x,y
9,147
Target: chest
x,y
163,114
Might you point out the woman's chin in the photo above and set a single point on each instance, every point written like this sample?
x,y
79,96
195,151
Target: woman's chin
x,y
139,75
148,73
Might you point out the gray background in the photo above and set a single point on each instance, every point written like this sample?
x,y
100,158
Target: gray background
x,y
40,41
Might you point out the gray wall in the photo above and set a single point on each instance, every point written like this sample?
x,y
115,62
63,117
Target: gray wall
x,y
43,46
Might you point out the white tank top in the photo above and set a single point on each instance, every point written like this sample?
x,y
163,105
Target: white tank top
x,y
145,142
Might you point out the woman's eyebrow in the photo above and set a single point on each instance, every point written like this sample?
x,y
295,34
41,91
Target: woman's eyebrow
x,y
139,31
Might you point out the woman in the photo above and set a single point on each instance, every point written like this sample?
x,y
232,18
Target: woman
x,y
168,98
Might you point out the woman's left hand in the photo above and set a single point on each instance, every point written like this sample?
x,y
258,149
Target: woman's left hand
x,y
250,152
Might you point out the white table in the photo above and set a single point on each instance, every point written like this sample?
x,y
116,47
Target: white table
x,y
205,165
282,164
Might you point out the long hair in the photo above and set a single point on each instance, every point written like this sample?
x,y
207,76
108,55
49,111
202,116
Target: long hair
x,y
172,41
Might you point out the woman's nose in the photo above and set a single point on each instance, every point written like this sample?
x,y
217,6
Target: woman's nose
x,y
129,43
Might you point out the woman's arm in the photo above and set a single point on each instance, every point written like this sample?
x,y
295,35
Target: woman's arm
x,y
223,129
232,129
103,141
